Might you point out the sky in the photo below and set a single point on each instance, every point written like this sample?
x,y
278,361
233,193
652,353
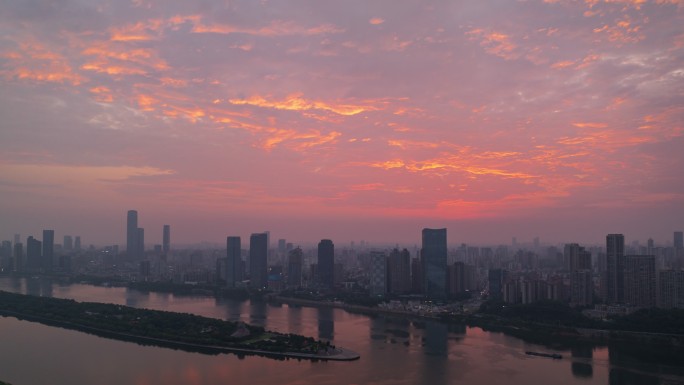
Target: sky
x,y
348,120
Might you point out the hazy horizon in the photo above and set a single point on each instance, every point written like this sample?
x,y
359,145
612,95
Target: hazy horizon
x,y
349,120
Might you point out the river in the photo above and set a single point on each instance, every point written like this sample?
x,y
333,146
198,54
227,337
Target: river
x,y
394,350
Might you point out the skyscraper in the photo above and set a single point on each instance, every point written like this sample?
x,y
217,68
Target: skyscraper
x,y
258,260
640,281
578,263
33,249
615,263
233,273
294,268
576,257
434,258
132,234
77,243
671,289
166,241
48,249
678,240
399,271
68,243
378,274
18,256
326,264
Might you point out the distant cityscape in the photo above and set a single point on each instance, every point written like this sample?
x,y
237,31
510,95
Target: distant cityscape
x,y
614,279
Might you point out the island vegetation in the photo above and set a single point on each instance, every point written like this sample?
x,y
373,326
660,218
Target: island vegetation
x,y
169,329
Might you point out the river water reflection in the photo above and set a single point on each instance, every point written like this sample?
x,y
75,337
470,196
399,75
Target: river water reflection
x,y
394,350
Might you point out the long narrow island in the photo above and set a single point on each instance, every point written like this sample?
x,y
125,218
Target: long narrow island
x,y
168,329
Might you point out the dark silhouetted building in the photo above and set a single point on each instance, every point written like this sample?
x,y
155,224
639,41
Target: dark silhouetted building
x,y
326,264
378,274
166,239
576,257
640,281
671,289
294,268
19,256
48,249
233,265
33,253
399,271
434,259
578,263
258,260
615,264
132,234
68,243
495,281
77,243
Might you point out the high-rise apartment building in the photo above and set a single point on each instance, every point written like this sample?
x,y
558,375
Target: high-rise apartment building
x,y
578,262
671,289
19,264
640,281
434,260
678,240
233,265
33,253
399,271
378,274
613,280
295,263
68,243
132,234
48,249
258,260
166,239
326,264
77,243
495,282
576,257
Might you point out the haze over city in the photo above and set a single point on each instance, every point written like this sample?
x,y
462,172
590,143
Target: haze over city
x,y
343,120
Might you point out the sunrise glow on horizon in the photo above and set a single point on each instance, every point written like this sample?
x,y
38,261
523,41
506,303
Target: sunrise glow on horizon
x,y
344,120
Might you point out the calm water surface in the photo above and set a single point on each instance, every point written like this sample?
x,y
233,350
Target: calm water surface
x,y
393,350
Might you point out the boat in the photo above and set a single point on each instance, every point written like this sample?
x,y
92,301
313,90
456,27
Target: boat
x,y
555,356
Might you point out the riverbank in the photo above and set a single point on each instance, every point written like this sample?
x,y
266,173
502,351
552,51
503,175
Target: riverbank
x,y
537,332
123,323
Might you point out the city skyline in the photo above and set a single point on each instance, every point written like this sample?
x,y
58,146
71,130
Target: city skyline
x,y
132,233
351,121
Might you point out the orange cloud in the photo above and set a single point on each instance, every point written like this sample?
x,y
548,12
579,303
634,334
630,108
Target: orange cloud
x,y
590,125
102,94
495,43
295,102
623,31
376,21
141,31
36,62
275,28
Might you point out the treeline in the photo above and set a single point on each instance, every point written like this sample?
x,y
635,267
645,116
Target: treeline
x,y
654,320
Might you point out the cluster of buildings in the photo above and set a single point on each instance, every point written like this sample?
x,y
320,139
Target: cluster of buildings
x,y
644,277
615,275
38,256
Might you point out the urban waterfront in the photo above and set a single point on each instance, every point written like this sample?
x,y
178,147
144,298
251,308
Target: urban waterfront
x,y
393,349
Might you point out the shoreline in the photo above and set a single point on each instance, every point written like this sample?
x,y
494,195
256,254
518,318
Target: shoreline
x,y
329,354
340,354
520,330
